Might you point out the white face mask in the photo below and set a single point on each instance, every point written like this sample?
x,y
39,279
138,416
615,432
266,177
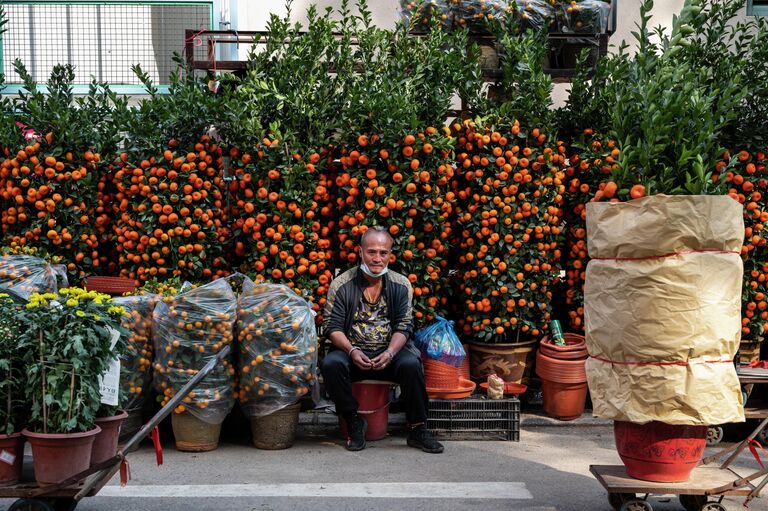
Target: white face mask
x,y
367,271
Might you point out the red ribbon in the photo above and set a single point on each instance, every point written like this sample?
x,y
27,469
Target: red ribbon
x,y
125,472
671,254
752,443
677,363
158,446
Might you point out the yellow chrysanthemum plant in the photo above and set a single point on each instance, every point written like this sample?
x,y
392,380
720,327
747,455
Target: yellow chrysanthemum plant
x,y
69,341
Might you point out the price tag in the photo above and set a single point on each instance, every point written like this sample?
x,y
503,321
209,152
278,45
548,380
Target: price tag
x,y
7,457
109,382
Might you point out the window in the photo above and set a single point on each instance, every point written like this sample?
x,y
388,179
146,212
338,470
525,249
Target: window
x,y
757,7
100,39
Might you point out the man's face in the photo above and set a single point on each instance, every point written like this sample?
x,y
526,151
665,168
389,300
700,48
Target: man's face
x,y
375,252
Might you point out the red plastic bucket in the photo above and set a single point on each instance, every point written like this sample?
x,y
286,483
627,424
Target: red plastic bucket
x,y
373,406
659,452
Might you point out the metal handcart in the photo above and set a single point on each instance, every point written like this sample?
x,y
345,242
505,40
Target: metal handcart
x,y
65,495
626,493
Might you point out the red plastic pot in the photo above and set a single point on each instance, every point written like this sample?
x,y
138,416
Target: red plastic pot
x,y
575,347
373,406
10,470
110,285
105,443
58,456
659,452
439,375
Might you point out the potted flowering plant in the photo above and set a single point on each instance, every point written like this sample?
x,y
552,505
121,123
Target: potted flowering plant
x,y
11,388
69,341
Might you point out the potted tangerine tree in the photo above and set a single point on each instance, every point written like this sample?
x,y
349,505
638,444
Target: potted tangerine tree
x,y
69,339
11,390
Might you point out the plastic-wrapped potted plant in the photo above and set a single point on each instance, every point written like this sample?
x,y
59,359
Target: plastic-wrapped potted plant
x,y
69,341
11,389
278,356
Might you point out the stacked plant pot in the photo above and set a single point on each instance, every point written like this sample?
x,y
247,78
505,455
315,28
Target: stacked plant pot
x,y
563,377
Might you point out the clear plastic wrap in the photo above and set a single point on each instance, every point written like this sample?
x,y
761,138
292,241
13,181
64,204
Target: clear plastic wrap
x,y
419,14
438,341
583,16
136,363
278,347
475,14
23,275
188,330
536,14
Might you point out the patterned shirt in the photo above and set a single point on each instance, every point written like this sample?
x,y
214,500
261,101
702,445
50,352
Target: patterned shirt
x,y
371,330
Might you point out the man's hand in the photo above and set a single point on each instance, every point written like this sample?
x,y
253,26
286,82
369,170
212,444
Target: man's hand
x,y
382,360
361,360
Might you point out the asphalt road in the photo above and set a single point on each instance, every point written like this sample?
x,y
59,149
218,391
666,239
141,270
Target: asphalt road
x,y
547,470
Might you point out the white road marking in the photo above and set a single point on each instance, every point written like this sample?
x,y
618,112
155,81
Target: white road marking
x,y
410,490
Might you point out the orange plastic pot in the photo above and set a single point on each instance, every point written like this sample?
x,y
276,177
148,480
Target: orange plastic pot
x,y
659,452
563,386
575,347
439,375
58,456
10,470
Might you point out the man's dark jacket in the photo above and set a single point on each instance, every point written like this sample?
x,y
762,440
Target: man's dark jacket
x,y
344,296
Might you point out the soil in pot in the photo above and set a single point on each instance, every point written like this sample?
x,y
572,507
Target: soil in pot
x,y
659,452
276,430
57,456
193,434
510,362
12,449
105,443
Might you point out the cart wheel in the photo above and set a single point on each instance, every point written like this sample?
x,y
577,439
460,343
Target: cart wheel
x,y
616,500
30,505
64,504
636,505
713,506
693,502
714,435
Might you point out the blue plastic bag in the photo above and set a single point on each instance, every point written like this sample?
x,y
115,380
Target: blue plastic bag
x,y
438,341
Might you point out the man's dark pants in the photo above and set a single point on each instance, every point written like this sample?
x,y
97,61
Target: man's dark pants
x,y
339,372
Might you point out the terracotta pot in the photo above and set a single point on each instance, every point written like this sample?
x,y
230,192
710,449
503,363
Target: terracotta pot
x,y
11,445
575,348
510,362
561,371
563,401
193,434
276,430
659,452
105,443
58,456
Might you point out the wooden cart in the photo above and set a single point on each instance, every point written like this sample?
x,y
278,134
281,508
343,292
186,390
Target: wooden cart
x,y
65,496
706,482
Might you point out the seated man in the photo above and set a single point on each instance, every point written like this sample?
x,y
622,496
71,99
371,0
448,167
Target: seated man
x,y
369,323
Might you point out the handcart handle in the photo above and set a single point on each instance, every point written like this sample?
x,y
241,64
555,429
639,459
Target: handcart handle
x,y
100,478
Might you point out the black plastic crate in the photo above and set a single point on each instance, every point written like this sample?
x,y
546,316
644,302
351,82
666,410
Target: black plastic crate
x,y
475,418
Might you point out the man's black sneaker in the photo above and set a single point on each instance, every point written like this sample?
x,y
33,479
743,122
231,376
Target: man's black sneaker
x,y
356,428
420,438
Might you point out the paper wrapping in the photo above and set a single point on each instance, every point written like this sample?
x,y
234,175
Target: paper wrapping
x,y
662,303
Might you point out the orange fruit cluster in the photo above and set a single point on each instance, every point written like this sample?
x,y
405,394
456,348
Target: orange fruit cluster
x,y
170,214
136,362
277,343
747,180
403,185
509,186
277,218
55,200
189,329
591,161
